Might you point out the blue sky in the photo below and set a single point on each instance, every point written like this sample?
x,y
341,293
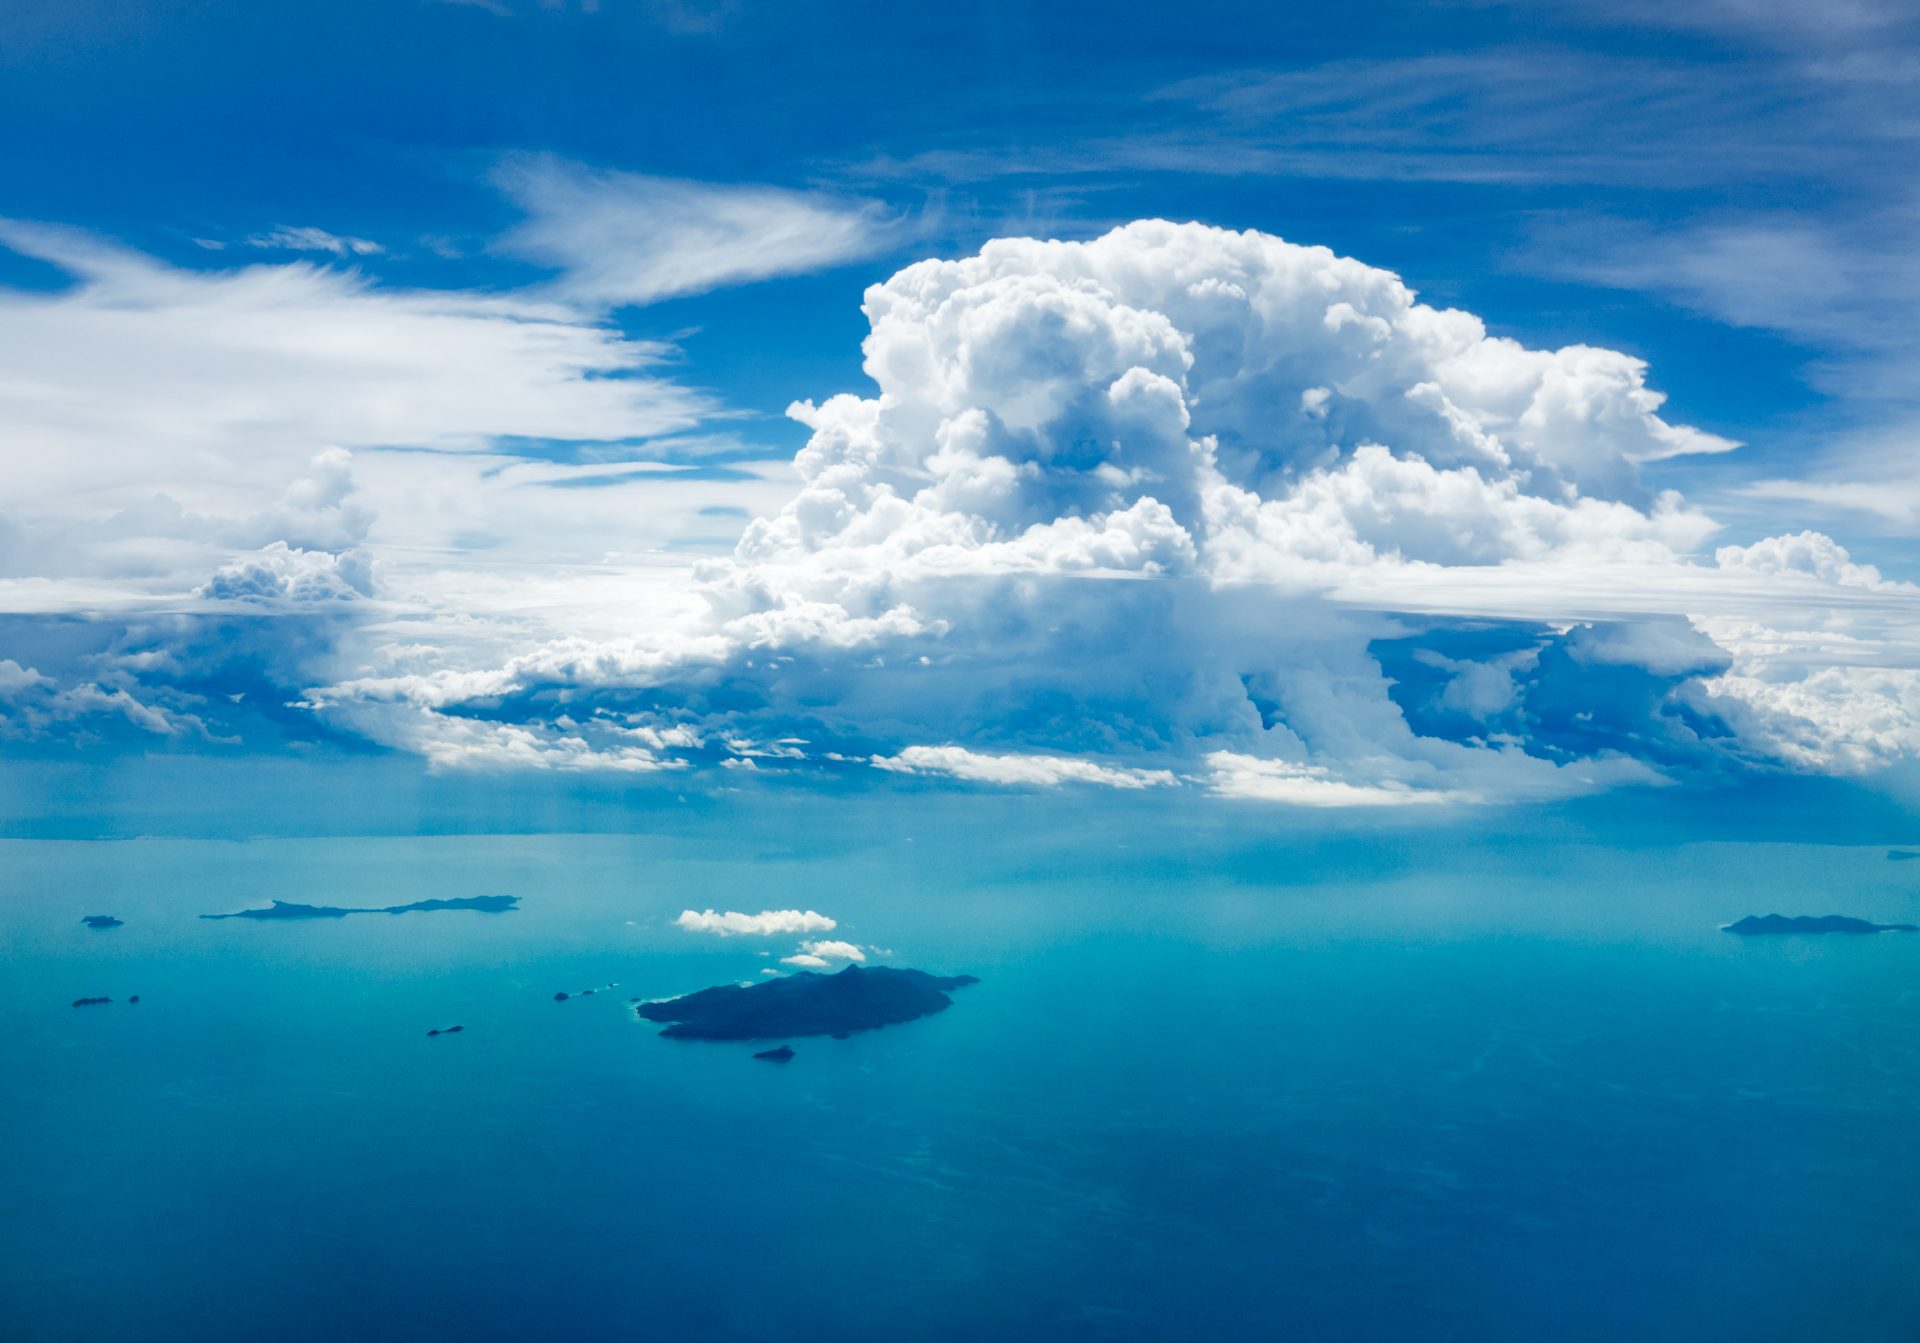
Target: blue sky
x,y
400,377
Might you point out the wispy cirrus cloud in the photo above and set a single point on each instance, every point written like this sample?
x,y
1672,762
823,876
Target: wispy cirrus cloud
x,y
209,365
1500,116
625,238
1800,27
1842,287
688,17
309,239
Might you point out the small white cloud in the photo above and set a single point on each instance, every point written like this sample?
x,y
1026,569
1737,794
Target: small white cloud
x,y
1247,776
833,951
767,923
451,742
805,961
1044,771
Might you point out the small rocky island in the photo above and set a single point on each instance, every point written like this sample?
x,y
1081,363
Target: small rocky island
x,y
859,998
280,909
784,1054
1902,855
102,921
1765,924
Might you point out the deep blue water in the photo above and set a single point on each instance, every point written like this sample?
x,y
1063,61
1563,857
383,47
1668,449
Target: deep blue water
x,y
1404,1089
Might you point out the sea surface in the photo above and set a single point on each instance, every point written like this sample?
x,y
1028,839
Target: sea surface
x,y
1356,1087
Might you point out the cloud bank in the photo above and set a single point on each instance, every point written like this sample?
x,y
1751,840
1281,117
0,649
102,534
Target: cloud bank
x,y
1176,507
1183,506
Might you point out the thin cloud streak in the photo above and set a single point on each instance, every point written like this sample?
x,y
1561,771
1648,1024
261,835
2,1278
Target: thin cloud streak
x,y
625,238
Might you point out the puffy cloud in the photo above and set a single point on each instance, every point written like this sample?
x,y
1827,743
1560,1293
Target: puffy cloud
x,y
767,923
35,705
278,573
1200,396
1811,555
621,238
822,955
1842,719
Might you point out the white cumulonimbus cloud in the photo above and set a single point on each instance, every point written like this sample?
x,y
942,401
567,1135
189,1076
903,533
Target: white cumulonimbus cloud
x,y
767,923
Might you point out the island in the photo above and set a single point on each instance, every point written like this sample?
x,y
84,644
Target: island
x,y
90,1002
858,998
281,909
563,995
1752,926
1902,855
446,1030
784,1054
102,921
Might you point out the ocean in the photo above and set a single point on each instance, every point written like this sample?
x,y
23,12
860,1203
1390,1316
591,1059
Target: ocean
x,y
1222,1082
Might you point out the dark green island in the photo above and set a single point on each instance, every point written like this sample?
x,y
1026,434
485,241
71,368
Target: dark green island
x,y
280,909
859,998
1753,926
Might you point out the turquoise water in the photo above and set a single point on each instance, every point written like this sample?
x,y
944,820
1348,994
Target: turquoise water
x,y
1345,1087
